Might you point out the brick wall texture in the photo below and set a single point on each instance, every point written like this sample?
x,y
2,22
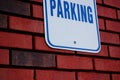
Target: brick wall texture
x,y
24,54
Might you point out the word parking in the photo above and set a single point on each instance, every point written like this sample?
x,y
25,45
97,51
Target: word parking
x,y
72,11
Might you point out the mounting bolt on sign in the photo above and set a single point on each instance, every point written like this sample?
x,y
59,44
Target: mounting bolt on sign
x,y
72,25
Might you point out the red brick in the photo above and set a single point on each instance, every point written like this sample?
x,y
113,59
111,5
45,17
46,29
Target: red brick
x,y
74,62
114,51
101,23
15,40
4,56
107,65
93,76
115,3
118,12
38,11
37,0
40,44
54,75
115,76
99,1
15,74
23,24
106,12
103,52
113,25
109,38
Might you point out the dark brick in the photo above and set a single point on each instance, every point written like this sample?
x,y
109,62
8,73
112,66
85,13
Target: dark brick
x,y
3,21
15,6
24,58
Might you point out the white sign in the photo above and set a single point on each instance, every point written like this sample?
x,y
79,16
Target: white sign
x,y
72,25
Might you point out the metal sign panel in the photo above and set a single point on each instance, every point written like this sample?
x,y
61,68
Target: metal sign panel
x,y
72,25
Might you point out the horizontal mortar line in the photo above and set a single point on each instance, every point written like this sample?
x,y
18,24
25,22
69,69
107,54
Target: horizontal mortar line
x,y
21,32
106,18
20,15
110,44
57,69
109,6
64,54
110,31
33,2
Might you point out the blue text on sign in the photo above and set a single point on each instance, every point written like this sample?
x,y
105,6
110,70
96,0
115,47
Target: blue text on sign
x,y
71,11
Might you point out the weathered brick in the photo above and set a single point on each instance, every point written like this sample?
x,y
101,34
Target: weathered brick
x,y
107,65
4,56
74,62
101,23
14,6
109,38
3,21
115,3
93,76
38,11
40,44
54,75
106,12
114,51
103,52
115,76
16,74
113,25
15,40
24,24
25,58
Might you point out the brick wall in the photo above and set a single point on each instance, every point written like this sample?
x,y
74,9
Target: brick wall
x,y
24,54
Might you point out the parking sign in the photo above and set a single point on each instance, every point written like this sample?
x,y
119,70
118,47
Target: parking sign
x,y
72,25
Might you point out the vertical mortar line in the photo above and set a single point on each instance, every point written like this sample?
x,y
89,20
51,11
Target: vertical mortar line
x,y
31,10
102,1
8,22
33,42
56,66
93,63
105,24
119,38
108,50
76,75
34,75
10,57
110,76
117,14
75,52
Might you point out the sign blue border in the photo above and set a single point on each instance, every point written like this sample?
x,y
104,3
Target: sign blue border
x,y
66,47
